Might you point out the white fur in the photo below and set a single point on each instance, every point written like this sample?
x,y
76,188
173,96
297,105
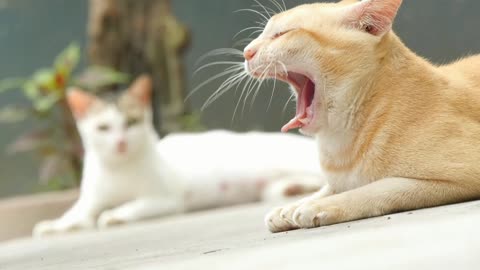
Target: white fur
x,y
179,173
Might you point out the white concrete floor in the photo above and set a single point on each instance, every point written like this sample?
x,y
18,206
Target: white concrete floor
x,y
439,238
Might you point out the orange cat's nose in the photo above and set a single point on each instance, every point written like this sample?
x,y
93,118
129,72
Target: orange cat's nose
x,y
249,54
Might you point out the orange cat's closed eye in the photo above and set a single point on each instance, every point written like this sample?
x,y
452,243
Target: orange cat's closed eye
x,y
279,34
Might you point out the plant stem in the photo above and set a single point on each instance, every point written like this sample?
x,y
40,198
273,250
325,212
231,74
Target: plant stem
x,y
72,136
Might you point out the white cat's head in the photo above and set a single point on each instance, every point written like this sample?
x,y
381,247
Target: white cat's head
x,y
117,128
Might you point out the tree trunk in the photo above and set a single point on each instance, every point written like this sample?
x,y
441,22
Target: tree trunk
x,y
142,36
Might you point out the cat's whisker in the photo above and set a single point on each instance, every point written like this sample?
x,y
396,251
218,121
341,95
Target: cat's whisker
x,y
249,80
228,71
231,81
221,51
247,88
247,29
253,11
242,42
255,32
269,10
277,5
284,67
262,78
261,24
240,80
286,104
256,87
228,84
224,87
284,5
237,64
264,8
273,91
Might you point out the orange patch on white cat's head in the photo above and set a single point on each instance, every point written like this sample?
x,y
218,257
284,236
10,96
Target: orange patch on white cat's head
x,y
79,101
142,88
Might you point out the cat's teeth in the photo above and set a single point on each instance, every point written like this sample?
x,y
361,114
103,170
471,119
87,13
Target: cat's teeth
x,y
303,121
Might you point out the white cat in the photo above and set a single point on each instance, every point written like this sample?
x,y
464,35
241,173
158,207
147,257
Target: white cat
x,y
130,175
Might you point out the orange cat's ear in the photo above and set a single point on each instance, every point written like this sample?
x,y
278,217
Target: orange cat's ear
x,y
374,16
142,89
79,101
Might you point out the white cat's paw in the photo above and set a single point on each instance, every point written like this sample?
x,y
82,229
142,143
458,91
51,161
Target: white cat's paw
x,y
281,219
44,228
109,219
54,227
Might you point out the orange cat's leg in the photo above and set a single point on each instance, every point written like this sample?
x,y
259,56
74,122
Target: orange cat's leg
x,y
383,197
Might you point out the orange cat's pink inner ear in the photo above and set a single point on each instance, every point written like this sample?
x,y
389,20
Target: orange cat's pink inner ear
x,y
142,88
373,16
79,102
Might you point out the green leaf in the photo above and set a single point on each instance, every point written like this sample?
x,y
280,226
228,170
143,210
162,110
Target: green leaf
x,y
97,77
44,79
30,90
67,60
12,114
11,84
46,103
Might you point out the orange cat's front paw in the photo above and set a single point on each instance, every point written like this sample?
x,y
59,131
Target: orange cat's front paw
x,y
312,215
278,221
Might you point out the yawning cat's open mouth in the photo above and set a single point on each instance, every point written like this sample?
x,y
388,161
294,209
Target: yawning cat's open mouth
x,y
305,89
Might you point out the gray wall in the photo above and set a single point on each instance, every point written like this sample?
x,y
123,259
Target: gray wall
x,y
33,31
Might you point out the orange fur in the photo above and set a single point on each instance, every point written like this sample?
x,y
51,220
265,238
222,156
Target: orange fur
x,y
142,88
395,132
79,101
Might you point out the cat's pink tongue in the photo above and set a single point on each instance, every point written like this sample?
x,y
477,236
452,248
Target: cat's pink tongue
x,y
301,117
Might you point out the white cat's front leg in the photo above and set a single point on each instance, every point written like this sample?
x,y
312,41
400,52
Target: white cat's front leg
x,y
80,217
139,209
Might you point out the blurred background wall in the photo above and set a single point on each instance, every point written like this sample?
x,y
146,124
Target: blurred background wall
x,y
32,32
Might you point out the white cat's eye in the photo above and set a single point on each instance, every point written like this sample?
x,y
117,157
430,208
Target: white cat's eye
x,y
132,121
103,127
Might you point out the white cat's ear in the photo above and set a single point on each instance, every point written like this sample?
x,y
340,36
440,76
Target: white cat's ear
x,y
142,89
373,16
79,101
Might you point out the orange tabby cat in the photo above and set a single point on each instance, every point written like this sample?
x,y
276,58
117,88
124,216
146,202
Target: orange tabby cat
x,y
395,132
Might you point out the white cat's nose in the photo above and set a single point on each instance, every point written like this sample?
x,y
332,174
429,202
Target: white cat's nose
x,y
249,54
122,146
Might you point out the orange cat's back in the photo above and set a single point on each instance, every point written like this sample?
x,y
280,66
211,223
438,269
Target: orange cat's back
x,y
467,69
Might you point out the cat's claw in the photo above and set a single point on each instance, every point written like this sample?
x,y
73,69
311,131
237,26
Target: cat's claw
x,y
312,215
277,220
